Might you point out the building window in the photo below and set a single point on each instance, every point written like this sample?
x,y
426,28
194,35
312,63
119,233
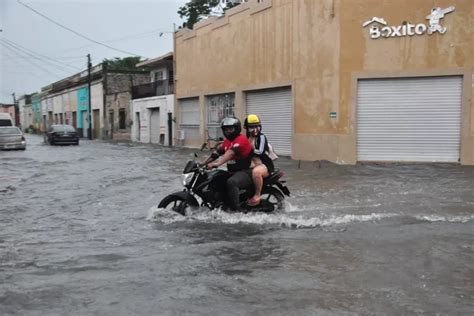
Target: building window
x,y
158,75
122,117
219,106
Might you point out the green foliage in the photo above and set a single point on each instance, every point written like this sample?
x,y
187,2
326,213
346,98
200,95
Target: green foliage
x,y
126,63
33,130
194,10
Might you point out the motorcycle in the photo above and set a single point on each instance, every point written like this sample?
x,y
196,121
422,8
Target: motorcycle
x,y
207,188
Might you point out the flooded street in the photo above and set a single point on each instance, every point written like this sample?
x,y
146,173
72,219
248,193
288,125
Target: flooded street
x,y
80,234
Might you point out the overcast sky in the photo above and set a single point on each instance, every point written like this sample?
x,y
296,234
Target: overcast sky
x,y
128,25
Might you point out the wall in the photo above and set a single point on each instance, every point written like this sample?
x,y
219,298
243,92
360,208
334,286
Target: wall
x,y
418,55
270,44
58,106
25,113
22,112
118,96
72,97
82,106
144,106
37,112
320,48
163,69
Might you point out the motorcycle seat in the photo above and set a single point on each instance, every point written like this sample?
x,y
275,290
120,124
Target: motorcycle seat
x,y
273,177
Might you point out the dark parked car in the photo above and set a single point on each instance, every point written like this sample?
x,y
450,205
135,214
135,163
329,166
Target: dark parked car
x,y
61,135
11,137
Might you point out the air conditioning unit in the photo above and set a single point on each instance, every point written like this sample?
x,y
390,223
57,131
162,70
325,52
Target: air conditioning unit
x,y
180,134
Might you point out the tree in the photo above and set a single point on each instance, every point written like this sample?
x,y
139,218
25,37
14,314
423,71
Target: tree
x,y
195,10
126,63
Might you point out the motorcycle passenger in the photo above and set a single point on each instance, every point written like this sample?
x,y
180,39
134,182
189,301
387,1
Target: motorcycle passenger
x,y
261,162
236,152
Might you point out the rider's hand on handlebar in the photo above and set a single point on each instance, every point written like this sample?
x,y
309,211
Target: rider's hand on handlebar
x,y
212,165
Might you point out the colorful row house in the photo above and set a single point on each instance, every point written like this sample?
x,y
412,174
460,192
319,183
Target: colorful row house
x,y
106,104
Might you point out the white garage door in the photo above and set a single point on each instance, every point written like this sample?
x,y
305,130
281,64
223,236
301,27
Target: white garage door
x,y
155,126
409,119
275,109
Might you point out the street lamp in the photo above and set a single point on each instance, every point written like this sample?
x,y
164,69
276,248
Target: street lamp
x,y
163,33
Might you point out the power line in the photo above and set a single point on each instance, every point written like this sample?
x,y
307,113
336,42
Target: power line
x,y
23,73
58,58
133,36
9,62
41,56
77,33
6,45
72,61
30,56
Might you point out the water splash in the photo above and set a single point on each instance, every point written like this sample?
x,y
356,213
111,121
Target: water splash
x,y
448,219
290,219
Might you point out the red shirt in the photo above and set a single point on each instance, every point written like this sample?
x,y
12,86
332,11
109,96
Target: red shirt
x,y
242,150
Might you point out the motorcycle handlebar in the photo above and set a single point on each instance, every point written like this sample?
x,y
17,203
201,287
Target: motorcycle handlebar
x,y
202,167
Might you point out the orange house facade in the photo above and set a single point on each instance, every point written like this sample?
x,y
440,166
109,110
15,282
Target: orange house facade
x,y
341,80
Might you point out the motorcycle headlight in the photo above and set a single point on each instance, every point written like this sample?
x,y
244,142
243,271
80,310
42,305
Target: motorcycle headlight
x,y
186,178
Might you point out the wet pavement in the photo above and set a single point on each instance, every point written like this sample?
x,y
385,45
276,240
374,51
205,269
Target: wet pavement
x,y
80,234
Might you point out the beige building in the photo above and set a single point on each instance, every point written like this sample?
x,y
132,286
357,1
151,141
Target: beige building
x,y
342,80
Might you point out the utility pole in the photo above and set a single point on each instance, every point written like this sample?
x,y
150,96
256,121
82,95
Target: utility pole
x,y
16,110
170,118
89,66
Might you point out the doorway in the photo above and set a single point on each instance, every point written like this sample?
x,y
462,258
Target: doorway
x,y
137,120
96,121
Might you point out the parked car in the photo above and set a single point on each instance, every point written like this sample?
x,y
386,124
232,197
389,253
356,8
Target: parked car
x,y
11,137
6,119
60,134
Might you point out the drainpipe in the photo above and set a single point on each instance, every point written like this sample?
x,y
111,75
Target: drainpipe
x,y
89,65
104,91
170,129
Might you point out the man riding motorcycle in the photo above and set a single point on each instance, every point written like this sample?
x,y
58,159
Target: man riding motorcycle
x,y
236,152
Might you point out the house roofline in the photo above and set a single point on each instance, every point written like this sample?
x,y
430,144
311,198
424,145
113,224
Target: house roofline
x,y
156,61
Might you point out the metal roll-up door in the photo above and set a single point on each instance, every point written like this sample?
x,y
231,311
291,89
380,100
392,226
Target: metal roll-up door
x,y
275,109
189,119
409,119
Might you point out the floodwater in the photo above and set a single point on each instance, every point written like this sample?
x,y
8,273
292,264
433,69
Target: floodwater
x,y
80,234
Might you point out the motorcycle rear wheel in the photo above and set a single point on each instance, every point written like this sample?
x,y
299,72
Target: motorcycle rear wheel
x,y
174,203
274,197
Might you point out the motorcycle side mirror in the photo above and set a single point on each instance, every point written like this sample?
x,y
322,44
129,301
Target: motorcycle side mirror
x,y
195,155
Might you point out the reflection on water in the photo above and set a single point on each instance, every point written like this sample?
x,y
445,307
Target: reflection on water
x,y
80,234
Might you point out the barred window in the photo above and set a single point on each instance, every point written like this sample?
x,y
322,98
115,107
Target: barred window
x,y
219,106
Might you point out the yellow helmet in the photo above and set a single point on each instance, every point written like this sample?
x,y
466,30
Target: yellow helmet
x,y
252,120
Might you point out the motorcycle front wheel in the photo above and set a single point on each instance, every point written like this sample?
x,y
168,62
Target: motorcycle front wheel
x,y
174,203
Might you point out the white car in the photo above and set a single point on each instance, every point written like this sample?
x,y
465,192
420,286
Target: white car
x,y
11,137
6,120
